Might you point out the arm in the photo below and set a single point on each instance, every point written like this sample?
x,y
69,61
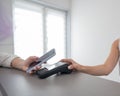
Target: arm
x,y
22,64
8,60
102,69
5,59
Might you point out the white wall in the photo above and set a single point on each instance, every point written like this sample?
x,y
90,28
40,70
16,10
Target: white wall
x,y
95,25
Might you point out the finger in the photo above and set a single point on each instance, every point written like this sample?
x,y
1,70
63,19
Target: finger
x,y
67,60
32,58
63,60
70,67
38,67
30,73
35,69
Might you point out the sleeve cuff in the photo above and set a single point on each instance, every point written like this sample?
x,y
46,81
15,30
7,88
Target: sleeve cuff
x,y
6,59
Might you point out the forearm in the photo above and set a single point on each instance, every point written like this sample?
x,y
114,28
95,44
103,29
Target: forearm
x,y
95,70
108,66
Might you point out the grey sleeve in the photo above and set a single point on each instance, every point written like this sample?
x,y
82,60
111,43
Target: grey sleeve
x,y
6,59
119,44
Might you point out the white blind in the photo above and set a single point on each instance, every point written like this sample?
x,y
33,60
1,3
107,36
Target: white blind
x,y
38,30
28,34
56,24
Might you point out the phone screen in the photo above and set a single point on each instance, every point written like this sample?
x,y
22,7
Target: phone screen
x,y
42,60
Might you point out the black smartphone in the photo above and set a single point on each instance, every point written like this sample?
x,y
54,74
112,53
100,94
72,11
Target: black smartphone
x,y
42,60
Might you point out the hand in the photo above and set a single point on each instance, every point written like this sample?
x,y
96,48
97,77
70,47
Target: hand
x,y
24,64
73,65
28,62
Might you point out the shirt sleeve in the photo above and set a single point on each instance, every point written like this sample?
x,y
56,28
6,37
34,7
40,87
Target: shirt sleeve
x,y
6,59
119,44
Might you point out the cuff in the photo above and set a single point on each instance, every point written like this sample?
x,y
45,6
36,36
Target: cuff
x,y
6,59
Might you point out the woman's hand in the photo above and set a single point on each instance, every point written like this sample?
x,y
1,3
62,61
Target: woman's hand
x,y
73,65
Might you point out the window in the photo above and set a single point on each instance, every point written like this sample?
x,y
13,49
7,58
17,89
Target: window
x,y
39,29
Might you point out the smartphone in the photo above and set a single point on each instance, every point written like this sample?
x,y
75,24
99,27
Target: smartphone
x,y
42,60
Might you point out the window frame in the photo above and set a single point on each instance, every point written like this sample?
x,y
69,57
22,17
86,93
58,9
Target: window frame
x,y
45,6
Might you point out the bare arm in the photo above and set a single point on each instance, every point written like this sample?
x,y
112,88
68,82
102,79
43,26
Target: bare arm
x,y
102,69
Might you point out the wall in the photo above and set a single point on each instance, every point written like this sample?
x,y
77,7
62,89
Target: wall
x,y
6,35
95,24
